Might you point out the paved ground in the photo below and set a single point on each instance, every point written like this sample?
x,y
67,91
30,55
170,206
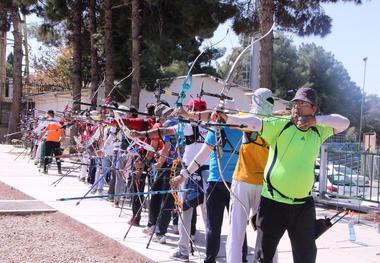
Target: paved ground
x,y
98,214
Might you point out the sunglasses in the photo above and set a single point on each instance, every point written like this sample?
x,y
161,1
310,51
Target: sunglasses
x,y
300,103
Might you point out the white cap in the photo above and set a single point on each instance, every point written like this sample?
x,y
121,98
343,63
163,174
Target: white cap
x,y
122,107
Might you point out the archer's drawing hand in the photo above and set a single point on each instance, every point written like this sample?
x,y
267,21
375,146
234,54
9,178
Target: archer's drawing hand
x,y
180,112
217,115
305,122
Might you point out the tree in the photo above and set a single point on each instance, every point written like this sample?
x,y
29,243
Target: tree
x,y
77,52
169,32
136,75
53,68
108,44
371,114
14,117
94,50
303,18
287,72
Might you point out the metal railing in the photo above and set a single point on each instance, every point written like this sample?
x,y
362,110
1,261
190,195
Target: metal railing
x,y
349,174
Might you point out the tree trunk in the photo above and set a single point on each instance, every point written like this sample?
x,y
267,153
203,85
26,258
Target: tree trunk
x,y
26,48
3,72
76,75
108,45
14,118
135,89
3,49
94,54
266,12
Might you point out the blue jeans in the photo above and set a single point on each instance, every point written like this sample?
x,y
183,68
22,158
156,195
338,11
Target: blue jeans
x,y
218,198
106,167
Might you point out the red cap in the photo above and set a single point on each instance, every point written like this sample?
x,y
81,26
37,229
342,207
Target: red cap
x,y
197,104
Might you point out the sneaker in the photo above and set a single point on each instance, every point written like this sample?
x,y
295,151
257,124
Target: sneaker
x,y
59,172
116,205
175,229
148,230
159,239
180,257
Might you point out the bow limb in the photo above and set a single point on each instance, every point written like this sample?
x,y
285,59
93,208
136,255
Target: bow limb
x,y
186,85
230,74
114,87
224,92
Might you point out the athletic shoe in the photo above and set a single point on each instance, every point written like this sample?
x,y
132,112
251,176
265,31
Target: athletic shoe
x,y
159,239
148,230
180,257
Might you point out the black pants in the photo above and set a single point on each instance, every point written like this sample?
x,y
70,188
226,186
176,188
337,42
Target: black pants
x,y
112,182
92,170
218,199
164,202
52,148
299,220
137,184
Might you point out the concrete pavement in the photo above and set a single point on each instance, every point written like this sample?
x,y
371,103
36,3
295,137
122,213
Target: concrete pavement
x,y
98,214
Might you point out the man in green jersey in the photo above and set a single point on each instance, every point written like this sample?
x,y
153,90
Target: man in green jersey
x,y
286,202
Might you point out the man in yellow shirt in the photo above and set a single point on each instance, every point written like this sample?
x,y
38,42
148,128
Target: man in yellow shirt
x,y
54,134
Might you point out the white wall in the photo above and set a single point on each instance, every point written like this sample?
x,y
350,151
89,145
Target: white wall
x,y
210,85
57,101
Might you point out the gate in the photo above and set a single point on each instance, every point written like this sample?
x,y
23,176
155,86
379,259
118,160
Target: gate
x,y
350,174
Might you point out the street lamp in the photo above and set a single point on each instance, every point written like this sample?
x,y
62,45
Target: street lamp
x,y
361,104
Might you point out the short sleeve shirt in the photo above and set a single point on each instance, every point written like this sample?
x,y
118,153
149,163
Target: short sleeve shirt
x,y
191,150
172,140
292,154
229,157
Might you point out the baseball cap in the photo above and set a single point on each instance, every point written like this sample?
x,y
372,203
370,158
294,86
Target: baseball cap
x,y
162,110
197,104
306,94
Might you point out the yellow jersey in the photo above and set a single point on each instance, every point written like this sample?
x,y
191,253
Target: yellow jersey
x,y
253,156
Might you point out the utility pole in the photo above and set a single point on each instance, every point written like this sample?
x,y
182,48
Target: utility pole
x,y
254,76
362,102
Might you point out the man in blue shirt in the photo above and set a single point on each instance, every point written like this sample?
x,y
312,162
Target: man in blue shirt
x,y
217,193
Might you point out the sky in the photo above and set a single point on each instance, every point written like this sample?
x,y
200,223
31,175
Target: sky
x,y
355,34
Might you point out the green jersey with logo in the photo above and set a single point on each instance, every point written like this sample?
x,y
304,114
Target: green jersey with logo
x,y
292,154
